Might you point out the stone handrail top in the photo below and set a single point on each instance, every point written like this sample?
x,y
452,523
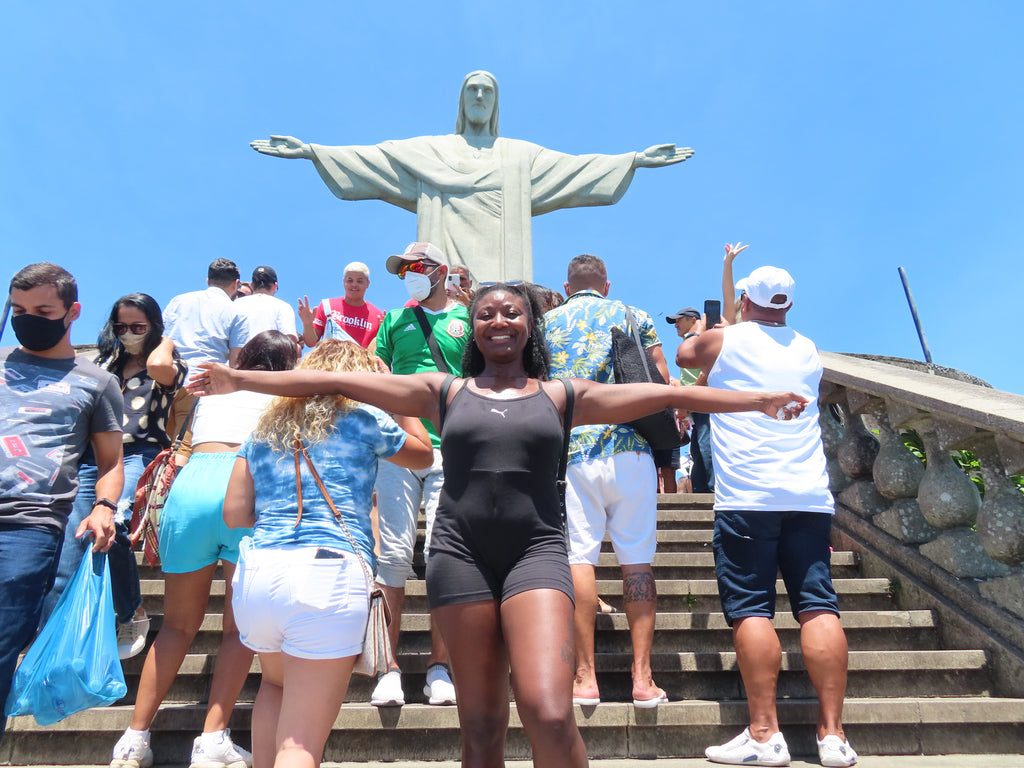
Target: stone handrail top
x,y
987,409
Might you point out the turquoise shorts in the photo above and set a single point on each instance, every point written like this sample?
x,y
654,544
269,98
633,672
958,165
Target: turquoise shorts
x,y
192,530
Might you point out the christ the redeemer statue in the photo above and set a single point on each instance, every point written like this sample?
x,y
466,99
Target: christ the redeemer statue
x,y
473,192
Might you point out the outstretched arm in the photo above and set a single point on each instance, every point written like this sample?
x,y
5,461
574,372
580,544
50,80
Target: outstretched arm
x,y
415,394
283,146
621,403
660,155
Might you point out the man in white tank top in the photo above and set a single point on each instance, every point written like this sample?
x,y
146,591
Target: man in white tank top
x,y
773,511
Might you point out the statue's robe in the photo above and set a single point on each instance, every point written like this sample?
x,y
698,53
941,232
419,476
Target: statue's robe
x,y
475,204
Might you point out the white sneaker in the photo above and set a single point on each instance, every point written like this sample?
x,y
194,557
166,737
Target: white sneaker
x,y
388,692
132,751
743,750
835,752
131,637
218,751
439,689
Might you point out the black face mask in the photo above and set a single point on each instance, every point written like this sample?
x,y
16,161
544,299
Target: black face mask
x,y
37,333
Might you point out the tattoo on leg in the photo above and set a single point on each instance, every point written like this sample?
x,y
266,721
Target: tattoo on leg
x,y
639,587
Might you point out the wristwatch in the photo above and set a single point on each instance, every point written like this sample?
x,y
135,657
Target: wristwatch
x,y
101,502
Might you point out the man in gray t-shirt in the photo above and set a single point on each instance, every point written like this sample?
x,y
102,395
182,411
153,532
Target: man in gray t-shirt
x,y
52,405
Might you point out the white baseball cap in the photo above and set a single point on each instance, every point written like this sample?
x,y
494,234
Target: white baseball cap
x,y
416,252
765,283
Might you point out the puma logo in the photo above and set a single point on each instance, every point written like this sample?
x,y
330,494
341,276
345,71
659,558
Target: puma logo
x,y
500,413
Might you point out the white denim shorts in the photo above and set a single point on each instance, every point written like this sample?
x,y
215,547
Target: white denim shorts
x,y
615,494
308,602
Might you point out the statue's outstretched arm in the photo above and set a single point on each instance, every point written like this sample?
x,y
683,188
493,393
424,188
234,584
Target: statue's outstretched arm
x,y
661,154
283,146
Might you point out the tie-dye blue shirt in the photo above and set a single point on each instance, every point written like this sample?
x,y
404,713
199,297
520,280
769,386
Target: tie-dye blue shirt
x,y
347,464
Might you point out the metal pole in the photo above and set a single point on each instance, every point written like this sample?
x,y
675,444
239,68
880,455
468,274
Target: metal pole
x,y
7,311
913,311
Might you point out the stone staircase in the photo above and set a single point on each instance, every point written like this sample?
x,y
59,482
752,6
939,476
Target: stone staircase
x,y
908,693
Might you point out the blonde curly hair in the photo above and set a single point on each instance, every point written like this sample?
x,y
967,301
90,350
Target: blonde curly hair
x,y
312,419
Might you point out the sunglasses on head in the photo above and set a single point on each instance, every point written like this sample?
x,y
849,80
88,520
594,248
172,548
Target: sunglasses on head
x,y
120,329
493,283
420,267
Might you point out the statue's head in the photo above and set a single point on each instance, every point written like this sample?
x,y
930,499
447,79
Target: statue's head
x,y
478,102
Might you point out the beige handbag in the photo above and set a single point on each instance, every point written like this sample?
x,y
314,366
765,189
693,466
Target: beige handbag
x,y
377,657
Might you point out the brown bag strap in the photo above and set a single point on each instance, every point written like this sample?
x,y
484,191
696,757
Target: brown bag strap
x,y
300,448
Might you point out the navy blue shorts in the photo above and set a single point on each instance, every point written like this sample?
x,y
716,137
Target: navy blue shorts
x,y
752,547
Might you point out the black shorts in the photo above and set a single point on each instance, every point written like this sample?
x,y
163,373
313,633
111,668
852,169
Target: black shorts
x,y
666,457
454,578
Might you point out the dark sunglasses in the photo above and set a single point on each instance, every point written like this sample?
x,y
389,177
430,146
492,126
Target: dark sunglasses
x,y
121,329
419,267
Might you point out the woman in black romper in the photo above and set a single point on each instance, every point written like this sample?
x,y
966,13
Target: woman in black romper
x,y
498,578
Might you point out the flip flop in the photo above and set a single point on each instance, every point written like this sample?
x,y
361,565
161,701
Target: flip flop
x,y
651,703
584,702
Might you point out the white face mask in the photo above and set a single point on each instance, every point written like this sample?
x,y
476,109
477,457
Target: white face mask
x,y
417,285
133,342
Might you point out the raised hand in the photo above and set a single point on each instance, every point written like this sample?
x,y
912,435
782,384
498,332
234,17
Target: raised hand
x,y
306,313
732,251
660,155
283,146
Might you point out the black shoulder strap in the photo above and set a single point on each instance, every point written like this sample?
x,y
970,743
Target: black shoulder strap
x,y
570,397
563,462
185,425
435,350
442,407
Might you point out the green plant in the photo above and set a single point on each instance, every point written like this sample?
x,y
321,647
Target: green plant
x,y
895,588
691,600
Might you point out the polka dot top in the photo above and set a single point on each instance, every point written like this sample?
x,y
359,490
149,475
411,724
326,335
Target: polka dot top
x,y
146,405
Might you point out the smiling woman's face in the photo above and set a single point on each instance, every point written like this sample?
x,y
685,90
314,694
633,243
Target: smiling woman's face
x,y
501,326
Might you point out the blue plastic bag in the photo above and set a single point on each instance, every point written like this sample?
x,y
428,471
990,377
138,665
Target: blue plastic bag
x,y
73,663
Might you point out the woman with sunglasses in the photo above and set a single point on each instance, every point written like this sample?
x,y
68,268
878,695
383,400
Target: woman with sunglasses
x,y
133,348
498,578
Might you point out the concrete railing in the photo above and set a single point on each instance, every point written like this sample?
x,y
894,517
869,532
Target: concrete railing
x,y
936,509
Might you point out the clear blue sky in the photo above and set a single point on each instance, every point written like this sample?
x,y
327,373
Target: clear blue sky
x,y
842,140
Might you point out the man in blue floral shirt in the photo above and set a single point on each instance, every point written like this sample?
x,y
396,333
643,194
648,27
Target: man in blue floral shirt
x,y
612,482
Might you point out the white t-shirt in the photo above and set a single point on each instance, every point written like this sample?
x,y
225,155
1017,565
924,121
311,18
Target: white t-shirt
x,y
762,463
228,418
267,313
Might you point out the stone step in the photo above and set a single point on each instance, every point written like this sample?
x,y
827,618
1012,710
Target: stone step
x,y
896,726
666,565
684,676
673,595
701,565
865,631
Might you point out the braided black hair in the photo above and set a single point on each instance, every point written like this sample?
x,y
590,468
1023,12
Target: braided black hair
x,y
536,359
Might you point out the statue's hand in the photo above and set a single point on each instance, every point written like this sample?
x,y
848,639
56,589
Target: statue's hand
x,y
661,154
283,146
